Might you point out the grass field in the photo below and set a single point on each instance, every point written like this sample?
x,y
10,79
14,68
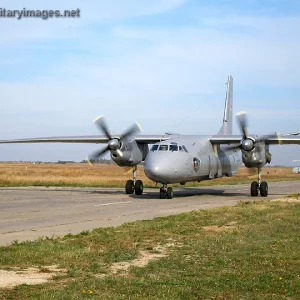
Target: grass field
x,y
79,175
249,251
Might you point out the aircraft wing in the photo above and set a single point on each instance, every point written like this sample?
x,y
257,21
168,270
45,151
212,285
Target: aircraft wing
x,y
92,139
285,139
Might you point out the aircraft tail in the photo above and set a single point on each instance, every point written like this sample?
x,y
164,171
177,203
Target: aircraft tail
x,y
226,128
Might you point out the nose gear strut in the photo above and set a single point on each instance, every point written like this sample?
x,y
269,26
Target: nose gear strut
x,y
166,192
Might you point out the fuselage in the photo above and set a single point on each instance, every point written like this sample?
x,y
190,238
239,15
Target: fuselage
x,y
186,158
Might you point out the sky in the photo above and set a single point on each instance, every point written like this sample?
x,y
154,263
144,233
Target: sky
x,y
163,63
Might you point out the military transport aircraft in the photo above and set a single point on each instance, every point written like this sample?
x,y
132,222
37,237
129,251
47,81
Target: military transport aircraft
x,y
176,158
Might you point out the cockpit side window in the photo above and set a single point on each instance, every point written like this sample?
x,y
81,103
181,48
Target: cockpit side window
x,y
173,148
154,148
163,148
184,148
181,149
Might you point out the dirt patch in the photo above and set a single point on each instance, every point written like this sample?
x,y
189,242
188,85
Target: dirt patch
x,y
145,257
142,261
30,276
228,226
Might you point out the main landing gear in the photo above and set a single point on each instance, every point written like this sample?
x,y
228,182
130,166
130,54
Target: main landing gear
x,y
166,192
259,186
134,185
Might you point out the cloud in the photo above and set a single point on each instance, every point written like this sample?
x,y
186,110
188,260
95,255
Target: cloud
x,y
122,60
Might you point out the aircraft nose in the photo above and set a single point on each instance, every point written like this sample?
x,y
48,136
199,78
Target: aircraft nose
x,y
154,173
155,170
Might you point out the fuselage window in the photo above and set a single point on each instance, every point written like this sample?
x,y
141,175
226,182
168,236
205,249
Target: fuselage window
x,y
185,149
173,148
154,148
163,147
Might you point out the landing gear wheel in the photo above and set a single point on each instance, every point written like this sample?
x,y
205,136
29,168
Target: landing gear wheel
x,y
254,189
129,187
139,187
264,189
169,193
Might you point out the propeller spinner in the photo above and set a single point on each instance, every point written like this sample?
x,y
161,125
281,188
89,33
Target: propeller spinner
x,y
114,144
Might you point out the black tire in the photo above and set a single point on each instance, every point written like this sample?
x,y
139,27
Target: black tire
x,y
264,189
169,193
139,187
254,189
129,187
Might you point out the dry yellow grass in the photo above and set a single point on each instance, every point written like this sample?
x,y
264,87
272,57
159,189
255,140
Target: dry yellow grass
x,y
26,174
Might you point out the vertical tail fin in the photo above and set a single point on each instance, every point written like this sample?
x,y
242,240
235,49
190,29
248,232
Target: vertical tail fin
x,y
226,128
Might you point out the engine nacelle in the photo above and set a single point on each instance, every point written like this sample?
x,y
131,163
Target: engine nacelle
x,y
130,153
257,157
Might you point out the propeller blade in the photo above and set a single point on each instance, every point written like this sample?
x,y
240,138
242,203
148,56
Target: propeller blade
x,y
100,123
243,123
95,155
275,135
133,129
128,170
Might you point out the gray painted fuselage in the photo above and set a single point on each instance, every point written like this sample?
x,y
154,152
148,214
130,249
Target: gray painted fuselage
x,y
203,161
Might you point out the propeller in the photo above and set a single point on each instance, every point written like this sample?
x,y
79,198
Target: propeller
x,y
114,144
248,143
243,123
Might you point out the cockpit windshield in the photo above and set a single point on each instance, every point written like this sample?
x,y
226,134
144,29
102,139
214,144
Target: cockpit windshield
x,y
173,148
184,148
163,148
154,148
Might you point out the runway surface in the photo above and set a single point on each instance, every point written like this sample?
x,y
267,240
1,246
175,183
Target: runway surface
x,y
29,213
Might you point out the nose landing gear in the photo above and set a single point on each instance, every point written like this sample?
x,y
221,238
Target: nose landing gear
x,y
259,186
166,192
134,185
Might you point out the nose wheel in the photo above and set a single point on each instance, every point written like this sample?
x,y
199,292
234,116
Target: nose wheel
x,y
166,192
134,186
258,186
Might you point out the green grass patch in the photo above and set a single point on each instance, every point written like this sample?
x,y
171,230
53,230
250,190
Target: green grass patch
x,y
249,251
294,195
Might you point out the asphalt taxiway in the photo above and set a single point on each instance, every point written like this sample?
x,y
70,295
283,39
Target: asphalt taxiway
x,y
29,213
